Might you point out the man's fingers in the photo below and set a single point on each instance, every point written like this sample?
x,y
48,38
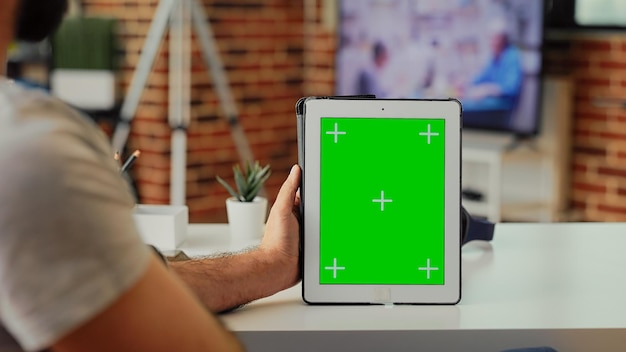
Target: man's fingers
x,y
297,199
285,199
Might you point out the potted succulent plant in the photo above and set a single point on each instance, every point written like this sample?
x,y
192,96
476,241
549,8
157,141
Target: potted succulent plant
x,y
246,210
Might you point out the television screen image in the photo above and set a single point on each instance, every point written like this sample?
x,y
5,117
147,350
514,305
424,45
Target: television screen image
x,y
486,53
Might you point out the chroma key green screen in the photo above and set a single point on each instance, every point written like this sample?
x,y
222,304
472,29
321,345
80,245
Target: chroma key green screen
x,y
382,191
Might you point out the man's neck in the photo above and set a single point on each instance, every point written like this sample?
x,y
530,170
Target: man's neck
x,y
4,48
3,60
7,12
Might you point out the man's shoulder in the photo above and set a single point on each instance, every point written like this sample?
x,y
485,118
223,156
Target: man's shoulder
x,y
23,107
32,118
18,96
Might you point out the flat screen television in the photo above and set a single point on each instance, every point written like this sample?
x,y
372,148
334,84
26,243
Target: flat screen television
x,y
486,53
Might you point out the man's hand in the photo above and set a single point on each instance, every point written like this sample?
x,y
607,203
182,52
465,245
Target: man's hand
x,y
281,236
228,281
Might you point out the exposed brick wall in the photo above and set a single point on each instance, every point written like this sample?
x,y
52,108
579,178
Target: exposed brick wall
x,y
319,60
597,64
270,65
261,45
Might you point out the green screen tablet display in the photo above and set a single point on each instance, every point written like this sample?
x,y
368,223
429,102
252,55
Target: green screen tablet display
x,y
382,191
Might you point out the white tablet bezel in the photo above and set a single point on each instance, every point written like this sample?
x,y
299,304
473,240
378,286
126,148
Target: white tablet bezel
x,y
313,291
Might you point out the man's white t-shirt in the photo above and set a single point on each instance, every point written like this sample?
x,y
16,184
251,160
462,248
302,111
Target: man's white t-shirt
x,y
68,244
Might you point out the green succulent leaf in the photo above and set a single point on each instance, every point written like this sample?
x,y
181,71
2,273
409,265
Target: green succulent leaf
x,y
260,177
253,193
228,187
249,171
248,181
240,181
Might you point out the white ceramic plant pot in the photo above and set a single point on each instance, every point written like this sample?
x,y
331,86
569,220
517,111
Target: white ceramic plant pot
x,y
246,220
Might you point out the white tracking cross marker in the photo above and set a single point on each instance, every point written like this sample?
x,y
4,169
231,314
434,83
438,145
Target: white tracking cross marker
x,y
428,268
427,134
382,200
336,132
334,268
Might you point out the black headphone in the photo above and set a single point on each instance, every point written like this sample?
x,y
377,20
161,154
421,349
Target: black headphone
x,y
475,228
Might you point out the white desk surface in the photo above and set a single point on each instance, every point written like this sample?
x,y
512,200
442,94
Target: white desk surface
x,y
560,285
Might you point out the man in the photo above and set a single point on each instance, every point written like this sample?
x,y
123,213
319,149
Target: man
x,y
498,85
369,80
74,274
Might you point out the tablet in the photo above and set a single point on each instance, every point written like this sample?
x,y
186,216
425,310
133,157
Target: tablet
x,y
381,200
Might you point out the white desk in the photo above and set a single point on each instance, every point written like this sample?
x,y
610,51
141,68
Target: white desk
x,y
558,285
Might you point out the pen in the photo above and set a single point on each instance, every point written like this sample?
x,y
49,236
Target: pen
x,y
129,162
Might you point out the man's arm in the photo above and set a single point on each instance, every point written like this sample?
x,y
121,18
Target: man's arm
x,y
157,314
228,281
